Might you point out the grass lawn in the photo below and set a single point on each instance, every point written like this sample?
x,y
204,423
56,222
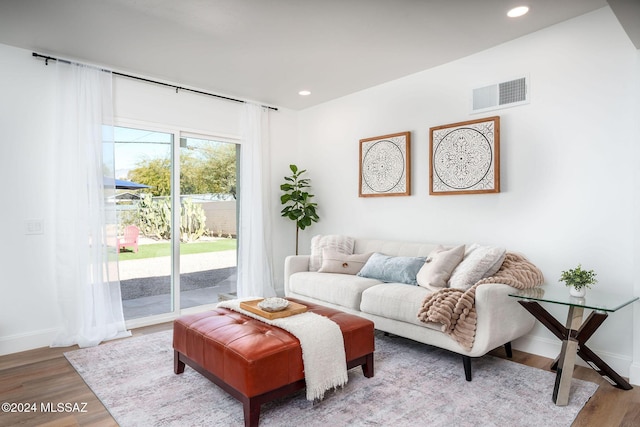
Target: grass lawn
x,y
164,249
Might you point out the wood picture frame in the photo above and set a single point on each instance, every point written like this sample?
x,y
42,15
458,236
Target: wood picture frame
x,y
464,157
385,165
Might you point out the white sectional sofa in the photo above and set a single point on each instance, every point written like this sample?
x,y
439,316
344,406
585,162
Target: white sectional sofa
x,y
393,307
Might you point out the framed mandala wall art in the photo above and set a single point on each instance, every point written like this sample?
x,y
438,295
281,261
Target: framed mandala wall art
x,y
385,165
465,157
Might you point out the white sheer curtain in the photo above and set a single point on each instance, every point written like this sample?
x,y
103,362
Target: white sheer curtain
x,y
85,227
254,237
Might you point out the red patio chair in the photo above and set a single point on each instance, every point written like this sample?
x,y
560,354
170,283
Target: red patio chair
x,y
131,233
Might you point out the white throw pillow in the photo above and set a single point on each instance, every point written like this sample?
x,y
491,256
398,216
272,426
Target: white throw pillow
x,y
336,262
341,244
438,267
481,262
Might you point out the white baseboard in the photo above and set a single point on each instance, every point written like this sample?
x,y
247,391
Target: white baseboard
x,y
634,374
551,348
167,317
150,320
536,345
27,341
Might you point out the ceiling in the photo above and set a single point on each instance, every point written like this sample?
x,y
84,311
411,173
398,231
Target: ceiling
x,y
269,50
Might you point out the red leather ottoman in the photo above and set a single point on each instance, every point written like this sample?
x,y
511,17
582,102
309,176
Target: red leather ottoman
x,y
256,362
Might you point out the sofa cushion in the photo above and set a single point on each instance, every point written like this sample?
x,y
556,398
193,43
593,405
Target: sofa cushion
x,y
437,269
480,262
392,269
336,262
339,243
396,301
340,289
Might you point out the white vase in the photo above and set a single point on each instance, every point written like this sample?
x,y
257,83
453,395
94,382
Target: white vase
x,y
580,293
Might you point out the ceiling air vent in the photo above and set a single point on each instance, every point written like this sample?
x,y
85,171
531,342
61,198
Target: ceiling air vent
x,y
500,95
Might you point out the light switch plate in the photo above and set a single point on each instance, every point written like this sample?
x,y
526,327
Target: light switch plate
x,y
34,226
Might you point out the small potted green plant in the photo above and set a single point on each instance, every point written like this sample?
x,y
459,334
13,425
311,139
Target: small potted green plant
x,y
578,280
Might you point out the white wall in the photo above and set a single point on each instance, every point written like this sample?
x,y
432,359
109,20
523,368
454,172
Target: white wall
x,y
634,372
570,190
567,162
28,309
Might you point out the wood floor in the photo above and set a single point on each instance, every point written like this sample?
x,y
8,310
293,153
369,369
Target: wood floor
x,y
44,377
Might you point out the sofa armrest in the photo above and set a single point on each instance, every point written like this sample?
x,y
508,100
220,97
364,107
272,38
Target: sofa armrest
x,y
294,264
500,318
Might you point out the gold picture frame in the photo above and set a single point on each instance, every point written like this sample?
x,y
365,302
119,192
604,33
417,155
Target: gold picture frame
x,y
385,165
465,157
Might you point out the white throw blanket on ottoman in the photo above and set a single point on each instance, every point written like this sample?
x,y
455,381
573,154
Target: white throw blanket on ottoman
x,y
323,355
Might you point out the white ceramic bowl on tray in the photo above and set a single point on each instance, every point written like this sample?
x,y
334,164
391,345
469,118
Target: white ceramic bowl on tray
x,y
273,304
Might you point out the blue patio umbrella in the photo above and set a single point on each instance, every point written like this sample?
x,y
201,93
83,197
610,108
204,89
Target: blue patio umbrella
x,y
121,184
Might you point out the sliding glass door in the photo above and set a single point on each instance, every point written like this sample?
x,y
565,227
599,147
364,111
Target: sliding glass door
x,y
176,205
208,232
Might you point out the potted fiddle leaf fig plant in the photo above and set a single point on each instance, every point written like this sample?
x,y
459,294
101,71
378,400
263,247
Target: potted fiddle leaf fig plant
x,y
297,201
578,280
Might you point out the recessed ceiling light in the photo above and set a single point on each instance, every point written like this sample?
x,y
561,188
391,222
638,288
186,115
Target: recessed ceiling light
x,y
517,11
304,93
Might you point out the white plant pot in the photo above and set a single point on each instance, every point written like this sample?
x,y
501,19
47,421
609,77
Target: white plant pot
x,y
579,293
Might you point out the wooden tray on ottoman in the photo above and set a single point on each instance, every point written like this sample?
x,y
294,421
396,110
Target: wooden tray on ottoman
x,y
292,308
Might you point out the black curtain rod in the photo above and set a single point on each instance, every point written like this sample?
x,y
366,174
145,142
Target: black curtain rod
x,y
177,88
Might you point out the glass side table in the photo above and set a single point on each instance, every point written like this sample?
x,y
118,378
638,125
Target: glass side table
x,y
576,332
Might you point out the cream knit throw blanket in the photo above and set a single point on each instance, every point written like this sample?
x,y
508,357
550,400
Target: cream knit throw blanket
x,y
323,354
455,309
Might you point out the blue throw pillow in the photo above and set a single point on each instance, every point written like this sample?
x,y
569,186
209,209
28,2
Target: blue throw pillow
x,y
392,269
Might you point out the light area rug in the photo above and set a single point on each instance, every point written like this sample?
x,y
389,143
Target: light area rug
x,y
414,384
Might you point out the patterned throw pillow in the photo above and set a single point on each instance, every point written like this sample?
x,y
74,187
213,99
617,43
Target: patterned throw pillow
x,y
341,244
438,267
336,262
